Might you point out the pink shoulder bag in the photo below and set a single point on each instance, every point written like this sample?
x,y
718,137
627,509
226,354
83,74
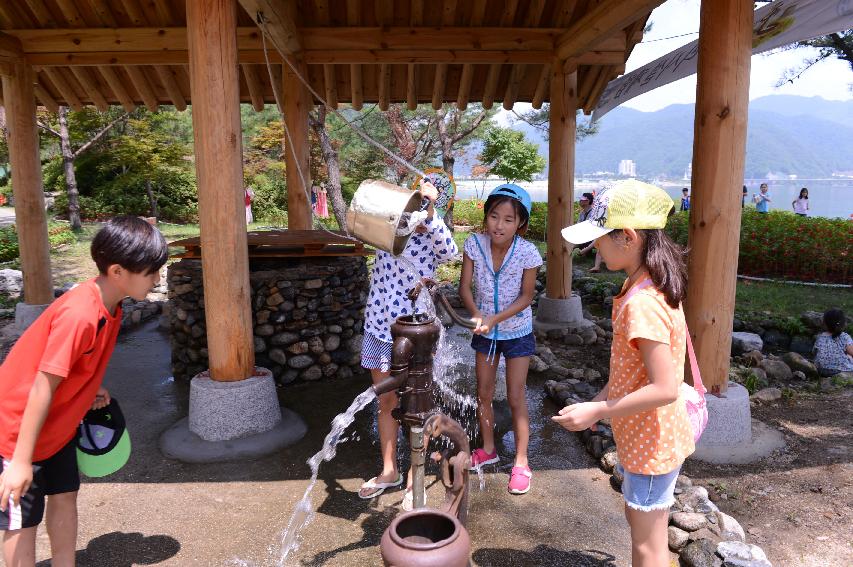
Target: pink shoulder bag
x,y
694,396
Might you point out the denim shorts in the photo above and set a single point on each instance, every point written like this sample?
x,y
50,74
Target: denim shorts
x,y
510,348
649,492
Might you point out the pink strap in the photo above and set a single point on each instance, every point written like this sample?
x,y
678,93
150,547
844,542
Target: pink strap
x,y
691,354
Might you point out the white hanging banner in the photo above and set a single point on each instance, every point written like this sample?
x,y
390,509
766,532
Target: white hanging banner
x,y
779,23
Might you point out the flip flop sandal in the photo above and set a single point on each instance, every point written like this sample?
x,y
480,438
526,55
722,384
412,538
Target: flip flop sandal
x,y
378,487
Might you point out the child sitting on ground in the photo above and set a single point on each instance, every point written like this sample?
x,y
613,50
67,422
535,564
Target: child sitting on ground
x,y
834,348
52,377
502,266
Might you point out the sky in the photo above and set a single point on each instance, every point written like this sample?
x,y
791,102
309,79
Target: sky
x,y
830,79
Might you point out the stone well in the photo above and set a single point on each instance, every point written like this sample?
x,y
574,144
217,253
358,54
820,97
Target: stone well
x,y
307,313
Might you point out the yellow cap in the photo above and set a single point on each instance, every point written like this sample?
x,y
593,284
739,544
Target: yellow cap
x,y
627,204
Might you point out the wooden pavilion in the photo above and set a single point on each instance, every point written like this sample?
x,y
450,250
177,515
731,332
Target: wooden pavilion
x,y
210,53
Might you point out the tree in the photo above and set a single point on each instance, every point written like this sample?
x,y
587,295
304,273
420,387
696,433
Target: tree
x,y
510,156
541,120
69,155
839,45
333,166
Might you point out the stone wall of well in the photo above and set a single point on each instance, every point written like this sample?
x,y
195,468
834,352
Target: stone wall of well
x,y
307,313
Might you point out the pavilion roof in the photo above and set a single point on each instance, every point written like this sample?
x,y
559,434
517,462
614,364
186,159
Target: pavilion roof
x,y
134,52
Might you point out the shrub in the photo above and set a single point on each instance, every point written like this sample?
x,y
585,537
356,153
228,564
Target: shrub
x,y
469,212
782,244
57,235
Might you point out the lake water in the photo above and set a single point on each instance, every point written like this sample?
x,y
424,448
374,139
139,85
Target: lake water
x,y
828,197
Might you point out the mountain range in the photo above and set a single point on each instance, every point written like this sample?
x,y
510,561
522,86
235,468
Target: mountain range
x,y
806,136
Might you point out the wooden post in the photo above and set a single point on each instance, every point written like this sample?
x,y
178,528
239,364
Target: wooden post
x,y
30,217
297,104
215,87
561,174
722,100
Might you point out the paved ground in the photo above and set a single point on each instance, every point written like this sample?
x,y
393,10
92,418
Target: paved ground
x,y
7,216
161,512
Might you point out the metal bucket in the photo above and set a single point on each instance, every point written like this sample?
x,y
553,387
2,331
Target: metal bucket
x,y
376,212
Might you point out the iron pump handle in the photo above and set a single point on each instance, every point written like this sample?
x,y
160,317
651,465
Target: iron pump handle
x,y
432,287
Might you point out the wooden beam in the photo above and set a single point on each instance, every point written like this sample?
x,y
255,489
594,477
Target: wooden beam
x,y
606,76
601,21
171,85
719,148
11,50
563,15
542,87
45,98
57,77
253,82
278,22
42,13
93,89
143,87
317,57
297,104
356,87
117,86
330,82
31,220
219,170
561,175
411,38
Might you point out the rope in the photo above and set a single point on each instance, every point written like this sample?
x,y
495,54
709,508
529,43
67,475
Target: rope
x,y
314,220
417,171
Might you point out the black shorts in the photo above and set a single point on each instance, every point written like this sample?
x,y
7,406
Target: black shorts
x,y
55,475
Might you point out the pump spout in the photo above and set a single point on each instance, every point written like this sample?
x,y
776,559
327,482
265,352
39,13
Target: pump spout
x,y
400,356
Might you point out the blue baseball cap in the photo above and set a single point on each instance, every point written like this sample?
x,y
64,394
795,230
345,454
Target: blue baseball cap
x,y
512,191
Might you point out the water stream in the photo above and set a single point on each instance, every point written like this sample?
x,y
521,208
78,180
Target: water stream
x,y
304,511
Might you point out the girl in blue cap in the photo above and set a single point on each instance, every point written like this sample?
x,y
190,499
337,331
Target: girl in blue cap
x,y
502,266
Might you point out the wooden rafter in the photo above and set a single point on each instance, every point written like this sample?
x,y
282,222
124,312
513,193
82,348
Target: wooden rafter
x,y
495,68
565,13
384,86
478,12
102,8
46,98
89,83
448,15
171,85
356,88
330,81
42,13
531,19
255,86
143,87
275,72
60,81
117,86
601,22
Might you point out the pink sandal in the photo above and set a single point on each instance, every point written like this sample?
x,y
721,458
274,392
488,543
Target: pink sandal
x,y
519,480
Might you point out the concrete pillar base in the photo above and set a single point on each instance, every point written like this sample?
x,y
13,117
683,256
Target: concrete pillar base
x,y
26,314
560,314
732,436
232,420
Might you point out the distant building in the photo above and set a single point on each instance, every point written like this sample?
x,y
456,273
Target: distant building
x,y
688,173
628,168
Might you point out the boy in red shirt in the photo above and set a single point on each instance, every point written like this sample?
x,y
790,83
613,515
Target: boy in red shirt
x,y
52,377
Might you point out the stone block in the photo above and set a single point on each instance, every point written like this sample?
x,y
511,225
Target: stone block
x,y
743,342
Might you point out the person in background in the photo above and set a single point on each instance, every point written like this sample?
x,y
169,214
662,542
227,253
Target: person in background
x,y
834,348
585,203
248,197
762,200
685,199
743,197
801,203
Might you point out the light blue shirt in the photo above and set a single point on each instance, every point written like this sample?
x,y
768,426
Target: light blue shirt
x,y
763,205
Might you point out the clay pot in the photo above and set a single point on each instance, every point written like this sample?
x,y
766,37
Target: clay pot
x,y
425,538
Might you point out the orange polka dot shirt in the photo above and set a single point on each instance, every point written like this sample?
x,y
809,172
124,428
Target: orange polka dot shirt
x,y
656,441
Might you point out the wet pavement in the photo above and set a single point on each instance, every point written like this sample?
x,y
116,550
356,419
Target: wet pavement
x,y
157,511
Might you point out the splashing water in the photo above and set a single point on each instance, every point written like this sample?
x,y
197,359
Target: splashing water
x,y
304,511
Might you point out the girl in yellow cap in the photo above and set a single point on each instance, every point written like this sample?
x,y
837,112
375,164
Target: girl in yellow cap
x,y
651,427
